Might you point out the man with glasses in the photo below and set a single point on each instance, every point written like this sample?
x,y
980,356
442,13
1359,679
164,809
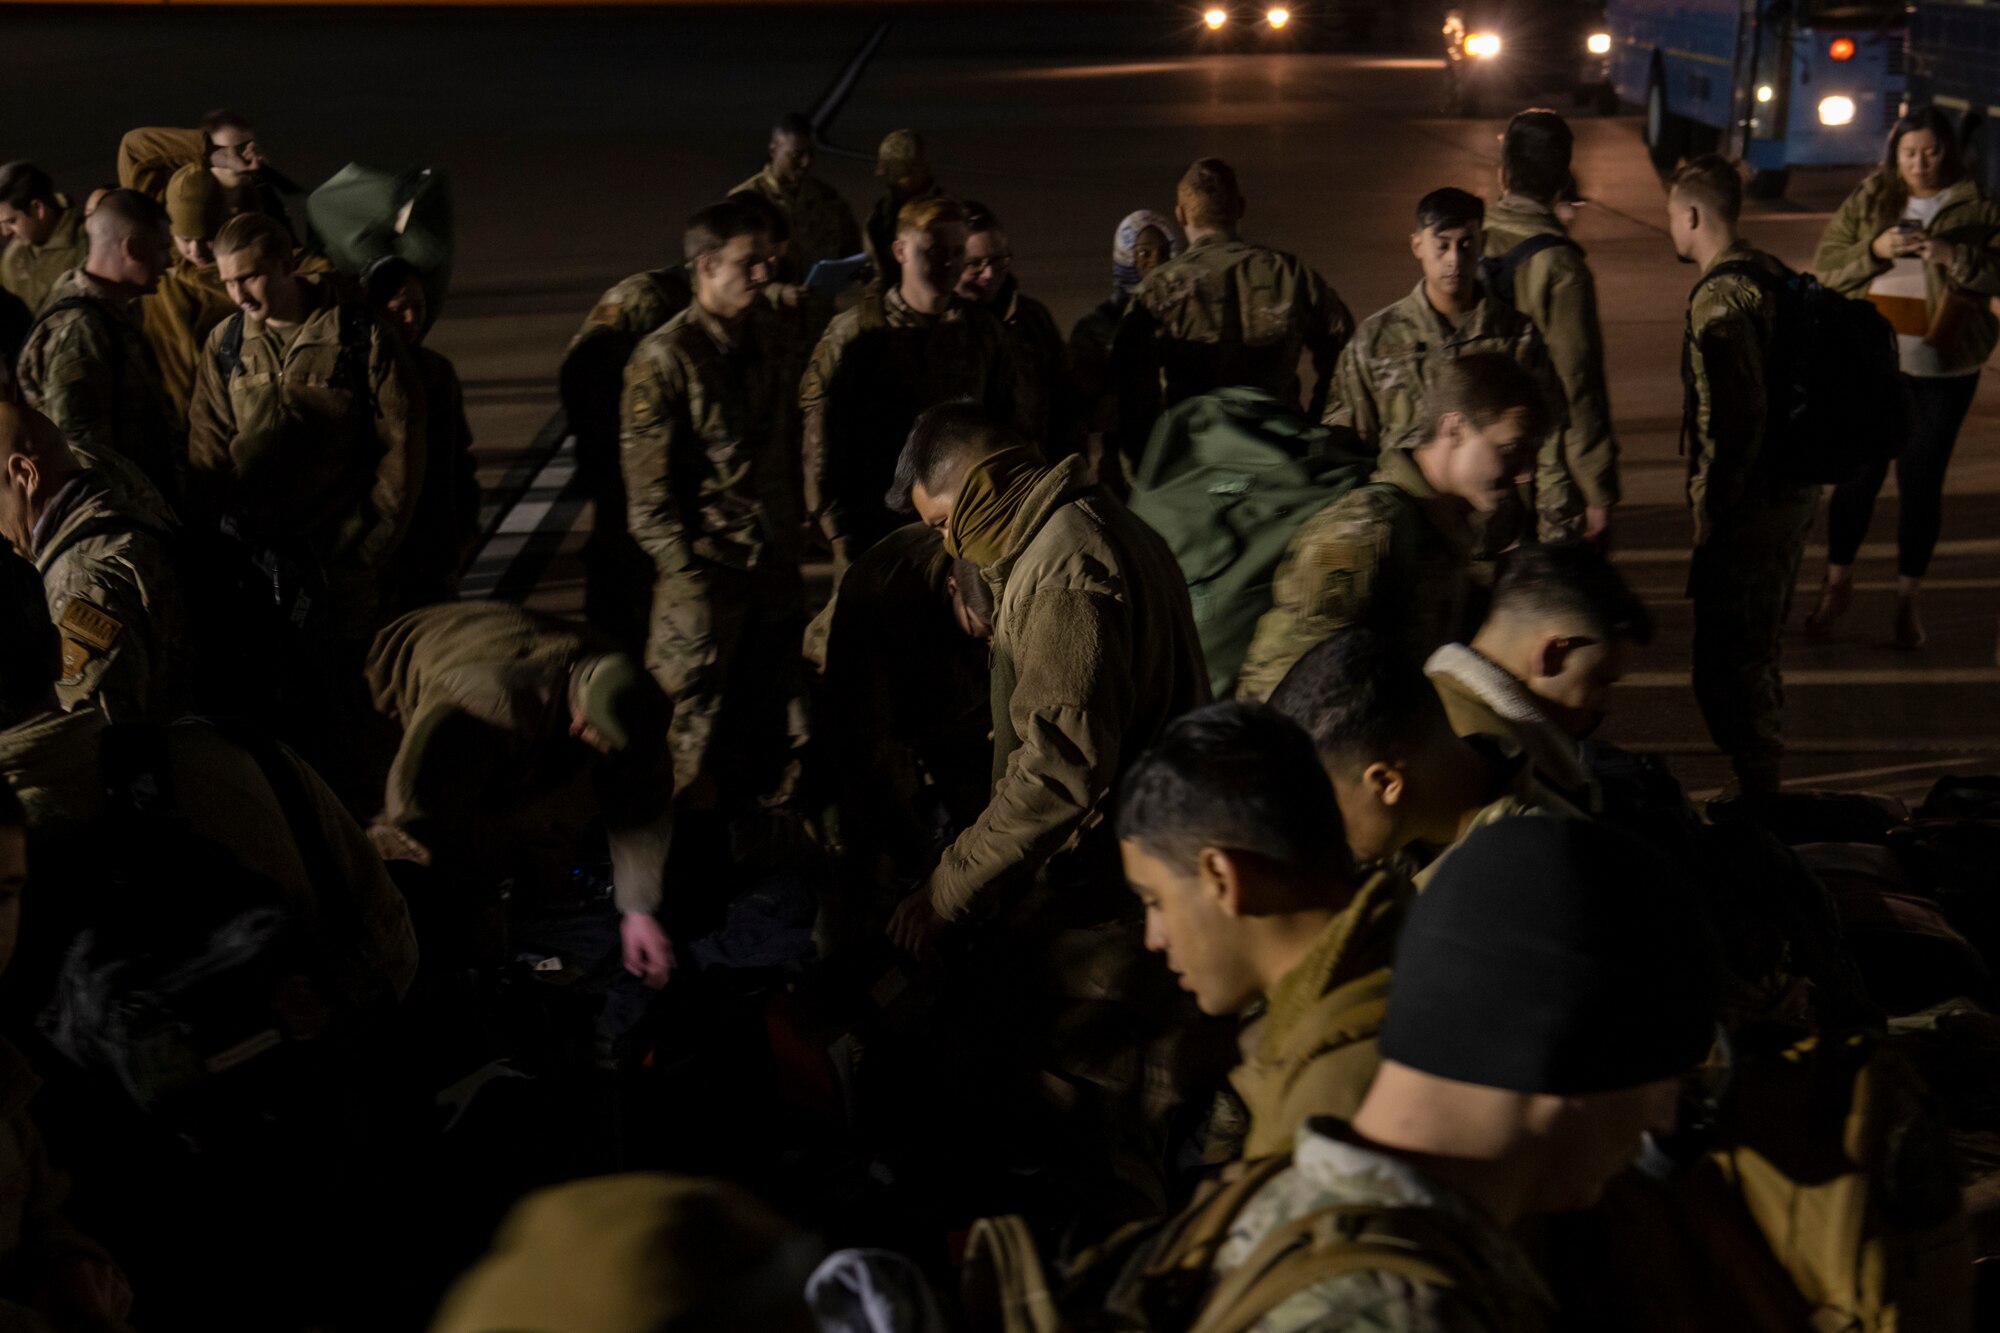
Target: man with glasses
x,y
1041,363
706,445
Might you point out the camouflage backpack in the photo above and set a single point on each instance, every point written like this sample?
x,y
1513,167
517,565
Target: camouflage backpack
x,y
1157,1277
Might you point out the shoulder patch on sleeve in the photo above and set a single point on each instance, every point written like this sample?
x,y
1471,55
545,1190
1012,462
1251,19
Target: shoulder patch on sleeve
x,y
90,625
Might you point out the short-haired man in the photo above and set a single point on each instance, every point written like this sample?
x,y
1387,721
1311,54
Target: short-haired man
x,y
1540,670
822,225
110,575
190,300
1539,1029
898,352
1407,784
87,365
1094,652
1041,362
501,712
706,446
903,166
1223,312
307,425
618,576
43,232
1232,840
1750,519
1379,386
234,156
1396,555
1548,280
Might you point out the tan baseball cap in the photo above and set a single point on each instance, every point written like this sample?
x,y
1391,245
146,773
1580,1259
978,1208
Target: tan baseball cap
x,y
196,205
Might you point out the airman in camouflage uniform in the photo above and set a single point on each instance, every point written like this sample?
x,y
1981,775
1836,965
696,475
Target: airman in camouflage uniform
x,y
822,225
1750,519
1553,287
1223,312
110,576
1396,555
1043,394
1379,386
878,366
618,575
707,428
43,231
87,364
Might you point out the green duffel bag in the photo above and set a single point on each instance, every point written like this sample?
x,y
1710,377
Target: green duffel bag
x,y
1226,479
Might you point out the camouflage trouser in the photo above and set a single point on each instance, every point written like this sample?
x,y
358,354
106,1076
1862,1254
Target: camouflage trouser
x,y
724,645
1559,503
1741,584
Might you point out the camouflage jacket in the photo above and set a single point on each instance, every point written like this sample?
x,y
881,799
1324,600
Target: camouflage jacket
x,y
1224,312
32,271
114,591
1497,1291
305,455
878,366
1393,555
1732,480
1556,291
1041,371
178,318
481,692
90,370
705,443
593,369
1379,386
823,226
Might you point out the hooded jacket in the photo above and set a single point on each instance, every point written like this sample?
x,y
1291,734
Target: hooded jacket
x,y
1094,652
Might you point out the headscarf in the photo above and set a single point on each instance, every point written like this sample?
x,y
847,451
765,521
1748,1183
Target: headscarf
x,y
989,500
1124,269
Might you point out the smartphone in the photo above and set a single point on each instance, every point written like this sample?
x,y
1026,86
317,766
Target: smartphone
x,y
1909,225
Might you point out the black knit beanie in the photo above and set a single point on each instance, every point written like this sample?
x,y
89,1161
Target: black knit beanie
x,y
1553,955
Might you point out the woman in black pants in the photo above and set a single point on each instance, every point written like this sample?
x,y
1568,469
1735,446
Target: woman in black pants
x,y
1920,240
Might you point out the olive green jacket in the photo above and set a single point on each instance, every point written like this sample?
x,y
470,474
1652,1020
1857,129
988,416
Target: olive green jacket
x,y
707,441
32,271
1733,480
178,318
487,766
1481,699
1846,263
1224,312
303,455
1094,652
114,591
876,368
1312,1051
92,372
1556,291
1393,555
1379,385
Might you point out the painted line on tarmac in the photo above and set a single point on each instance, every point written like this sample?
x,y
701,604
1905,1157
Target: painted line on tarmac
x,y
1973,745
529,527
1891,770
1664,555
1818,676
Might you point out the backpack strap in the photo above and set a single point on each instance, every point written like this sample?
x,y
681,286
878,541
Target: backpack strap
x,y
350,366
1423,1246
1198,1231
94,312
1005,1278
1497,271
229,348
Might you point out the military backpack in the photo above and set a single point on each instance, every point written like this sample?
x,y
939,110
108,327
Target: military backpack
x,y
1497,271
1837,403
1227,479
1158,1277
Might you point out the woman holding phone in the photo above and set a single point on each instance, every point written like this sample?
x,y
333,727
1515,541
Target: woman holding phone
x,y
1922,241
